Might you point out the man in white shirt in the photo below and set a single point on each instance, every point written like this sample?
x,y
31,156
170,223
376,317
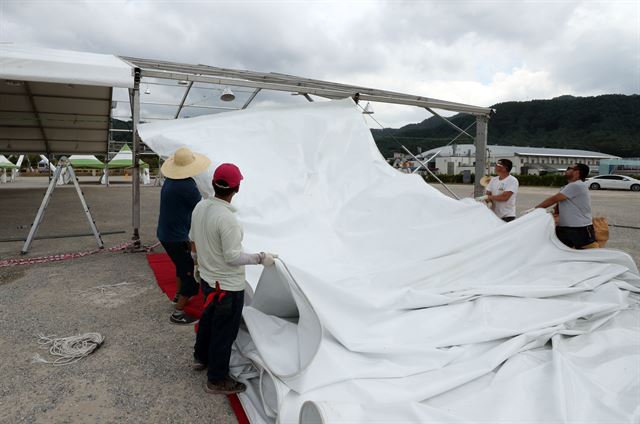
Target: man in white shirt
x,y
216,243
502,191
573,203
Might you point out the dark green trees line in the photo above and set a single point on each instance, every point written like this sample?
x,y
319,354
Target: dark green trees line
x,y
607,123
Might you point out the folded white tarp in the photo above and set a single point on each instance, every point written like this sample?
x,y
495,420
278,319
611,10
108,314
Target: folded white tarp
x,y
24,63
395,303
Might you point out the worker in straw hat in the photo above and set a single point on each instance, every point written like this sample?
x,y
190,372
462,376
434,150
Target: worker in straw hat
x,y
178,197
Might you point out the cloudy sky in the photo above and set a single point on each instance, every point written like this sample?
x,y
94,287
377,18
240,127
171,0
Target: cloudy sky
x,y
475,52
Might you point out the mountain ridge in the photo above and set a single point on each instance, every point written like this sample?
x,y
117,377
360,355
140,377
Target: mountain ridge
x,y
608,123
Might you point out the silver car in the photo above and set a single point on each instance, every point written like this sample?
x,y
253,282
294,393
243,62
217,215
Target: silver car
x,y
616,182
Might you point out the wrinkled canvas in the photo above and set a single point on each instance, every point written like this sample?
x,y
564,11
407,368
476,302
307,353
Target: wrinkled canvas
x,y
392,302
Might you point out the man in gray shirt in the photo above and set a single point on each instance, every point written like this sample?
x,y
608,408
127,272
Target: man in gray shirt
x,y
575,225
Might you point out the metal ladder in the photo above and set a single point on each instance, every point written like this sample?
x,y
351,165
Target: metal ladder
x,y
62,164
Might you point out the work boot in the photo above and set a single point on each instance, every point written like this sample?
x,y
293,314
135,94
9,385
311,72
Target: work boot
x,y
225,387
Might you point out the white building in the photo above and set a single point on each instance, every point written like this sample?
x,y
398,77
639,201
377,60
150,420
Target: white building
x,y
457,158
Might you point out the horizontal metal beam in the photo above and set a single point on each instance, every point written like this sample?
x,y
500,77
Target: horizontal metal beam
x,y
44,114
53,96
188,105
64,140
277,78
49,127
332,93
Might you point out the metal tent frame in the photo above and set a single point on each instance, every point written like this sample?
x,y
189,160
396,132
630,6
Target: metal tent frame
x,y
46,115
258,81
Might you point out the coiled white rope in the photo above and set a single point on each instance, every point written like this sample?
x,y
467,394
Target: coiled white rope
x,y
69,349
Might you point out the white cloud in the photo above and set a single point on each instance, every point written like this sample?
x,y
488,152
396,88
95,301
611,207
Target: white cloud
x,y
476,52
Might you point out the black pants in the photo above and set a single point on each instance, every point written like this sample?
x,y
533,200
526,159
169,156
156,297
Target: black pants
x,y
576,237
180,254
217,330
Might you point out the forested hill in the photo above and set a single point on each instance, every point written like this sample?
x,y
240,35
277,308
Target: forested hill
x,y
608,124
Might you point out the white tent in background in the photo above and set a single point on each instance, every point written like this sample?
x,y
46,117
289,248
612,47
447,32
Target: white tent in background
x,y
6,164
85,161
124,159
64,177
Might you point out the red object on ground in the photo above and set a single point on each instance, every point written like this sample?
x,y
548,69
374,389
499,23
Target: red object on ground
x,y
165,273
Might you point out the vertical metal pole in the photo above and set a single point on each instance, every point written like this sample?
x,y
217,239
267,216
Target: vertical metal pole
x,y
481,149
106,171
135,105
51,170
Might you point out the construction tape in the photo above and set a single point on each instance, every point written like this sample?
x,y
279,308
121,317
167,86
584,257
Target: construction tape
x,y
65,256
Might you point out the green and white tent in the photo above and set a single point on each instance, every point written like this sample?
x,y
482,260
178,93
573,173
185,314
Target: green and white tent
x,y
124,159
86,161
6,163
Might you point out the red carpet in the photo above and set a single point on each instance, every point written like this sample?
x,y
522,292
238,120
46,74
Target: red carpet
x,y
165,274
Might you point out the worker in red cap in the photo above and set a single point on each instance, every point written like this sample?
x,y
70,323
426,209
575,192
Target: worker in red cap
x,y
216,243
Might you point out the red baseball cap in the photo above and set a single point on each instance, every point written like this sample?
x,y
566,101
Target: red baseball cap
x,y
227,173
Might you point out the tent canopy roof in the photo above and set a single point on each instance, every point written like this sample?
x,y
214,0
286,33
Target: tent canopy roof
x,y
124,159
6,163
86,161
57,101
61,102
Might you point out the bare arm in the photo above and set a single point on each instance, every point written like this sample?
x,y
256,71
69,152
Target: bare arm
x,y
500,197
558,197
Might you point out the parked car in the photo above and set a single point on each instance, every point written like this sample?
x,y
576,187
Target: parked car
x,y
43,167
617,182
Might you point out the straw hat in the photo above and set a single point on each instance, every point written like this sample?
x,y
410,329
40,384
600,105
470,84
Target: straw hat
x,y
184,164
484,181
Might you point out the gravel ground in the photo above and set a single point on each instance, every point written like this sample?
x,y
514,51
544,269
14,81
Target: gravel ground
x,y
142,373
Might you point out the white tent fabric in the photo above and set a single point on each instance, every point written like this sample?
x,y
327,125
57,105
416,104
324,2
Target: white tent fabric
x,y
4,165
25,63
395,303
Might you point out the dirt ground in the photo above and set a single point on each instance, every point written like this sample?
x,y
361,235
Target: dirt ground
x,y
142,373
